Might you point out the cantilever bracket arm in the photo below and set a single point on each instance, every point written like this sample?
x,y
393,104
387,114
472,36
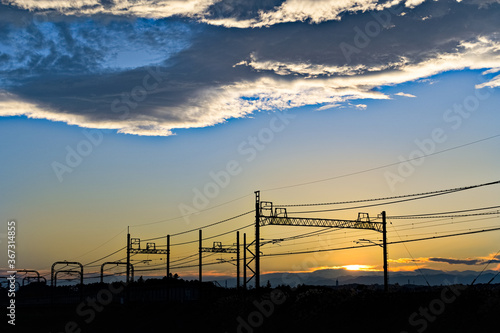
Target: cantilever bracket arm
x,y
66,263
115,263
316,222
67,272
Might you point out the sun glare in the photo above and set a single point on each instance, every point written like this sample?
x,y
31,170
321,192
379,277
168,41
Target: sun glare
x,y
358,267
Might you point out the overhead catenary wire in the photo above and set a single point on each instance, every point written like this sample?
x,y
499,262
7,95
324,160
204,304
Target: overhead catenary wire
x,y
455,190
107,256
215,236
381,166
388,243
413,259
395,229
200,228
442,224
439,215
385,198
473,212
337,249
484,268
183,216
309,234
109,240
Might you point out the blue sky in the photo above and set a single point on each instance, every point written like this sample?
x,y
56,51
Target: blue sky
x,y
112,120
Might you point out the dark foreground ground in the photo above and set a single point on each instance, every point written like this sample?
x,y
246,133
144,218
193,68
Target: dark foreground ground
x,y
355,308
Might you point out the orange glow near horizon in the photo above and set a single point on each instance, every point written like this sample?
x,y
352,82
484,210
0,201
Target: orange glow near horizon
x,y
359,268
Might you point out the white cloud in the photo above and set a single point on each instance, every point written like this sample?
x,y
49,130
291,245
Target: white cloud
x,y
52,4
139,8
242,98
495,82
313,70
216,74
404,94
491,71
328,106
360,106
413,3
314,11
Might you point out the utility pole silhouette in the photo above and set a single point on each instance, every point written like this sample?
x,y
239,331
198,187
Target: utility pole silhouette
x,y
128,255
199,259
384,244
168,257
257,239
238,260
244,261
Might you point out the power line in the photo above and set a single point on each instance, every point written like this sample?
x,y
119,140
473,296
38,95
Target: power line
x,y
441,224
370,245
380,167
493,278
423,196
433,215
407,250
304,235
193,255
101,244
372,205
180,267
183,216
204,227
366,234
396,229
408,197
380,199
109,255
218,235
484,268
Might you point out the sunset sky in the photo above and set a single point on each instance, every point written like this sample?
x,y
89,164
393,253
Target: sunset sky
x,y
166,116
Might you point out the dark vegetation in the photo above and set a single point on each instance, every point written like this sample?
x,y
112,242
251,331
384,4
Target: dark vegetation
x,y
175,305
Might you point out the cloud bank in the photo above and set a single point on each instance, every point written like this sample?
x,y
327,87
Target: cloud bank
x,y
492,259
151,67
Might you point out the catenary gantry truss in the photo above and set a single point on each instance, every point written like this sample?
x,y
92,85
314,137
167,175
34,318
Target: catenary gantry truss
x,y
266,215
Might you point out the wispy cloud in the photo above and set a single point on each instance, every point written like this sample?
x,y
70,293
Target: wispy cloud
x,y
495,82
146,9
404,94
227,13
452,261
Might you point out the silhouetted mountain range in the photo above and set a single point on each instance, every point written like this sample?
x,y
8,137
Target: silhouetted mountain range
x,y
329,277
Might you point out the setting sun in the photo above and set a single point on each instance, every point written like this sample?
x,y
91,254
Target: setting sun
x,y
358,268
